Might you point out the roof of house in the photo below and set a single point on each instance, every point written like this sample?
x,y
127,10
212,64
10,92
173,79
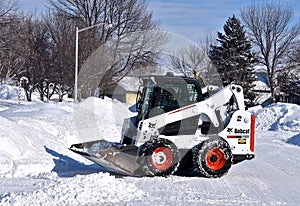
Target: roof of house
x,y
130,84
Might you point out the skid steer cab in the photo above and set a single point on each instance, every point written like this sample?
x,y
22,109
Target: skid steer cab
x,y
180,125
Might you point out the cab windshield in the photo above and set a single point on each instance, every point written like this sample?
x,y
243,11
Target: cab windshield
x,y
158,98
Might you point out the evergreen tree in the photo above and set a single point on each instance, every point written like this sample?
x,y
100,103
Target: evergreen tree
x,y
233,57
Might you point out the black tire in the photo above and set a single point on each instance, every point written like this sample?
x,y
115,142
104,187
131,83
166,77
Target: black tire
x,y
213,157
159,157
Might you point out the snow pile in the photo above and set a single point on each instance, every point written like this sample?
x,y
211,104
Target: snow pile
x,y
94,189
35,138
32,134
25,131
279,116
10,92
97,118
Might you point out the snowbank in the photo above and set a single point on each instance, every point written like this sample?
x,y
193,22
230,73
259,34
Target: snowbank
x,y
31,134
97,118
10,92
25,130
35,139
279,116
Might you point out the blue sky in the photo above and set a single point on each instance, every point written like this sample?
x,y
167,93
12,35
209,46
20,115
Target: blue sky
x,y
191,19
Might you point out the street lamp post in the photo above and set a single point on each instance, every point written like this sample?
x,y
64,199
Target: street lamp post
x,y
76,56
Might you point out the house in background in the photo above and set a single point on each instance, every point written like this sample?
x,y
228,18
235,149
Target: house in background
x,y
263,93
125,90
262,87
290,94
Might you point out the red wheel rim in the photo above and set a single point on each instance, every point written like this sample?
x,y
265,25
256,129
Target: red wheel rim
x,y
162,158
215,158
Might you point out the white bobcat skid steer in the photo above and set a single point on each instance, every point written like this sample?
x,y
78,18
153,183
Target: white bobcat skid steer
x,y
179,126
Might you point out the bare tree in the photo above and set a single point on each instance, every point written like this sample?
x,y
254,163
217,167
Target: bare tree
x,y
11,63
61,32
193,60
294,56
85,13
7,10
90,12
131,40
8,32
6,6
189,60
209,39
135,38
291,71
133,51
269,25
32,46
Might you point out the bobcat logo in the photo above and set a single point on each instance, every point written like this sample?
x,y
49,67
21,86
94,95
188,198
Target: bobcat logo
x,y
229,130
151,126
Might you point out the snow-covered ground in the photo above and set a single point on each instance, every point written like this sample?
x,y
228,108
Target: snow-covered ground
x,y
37,168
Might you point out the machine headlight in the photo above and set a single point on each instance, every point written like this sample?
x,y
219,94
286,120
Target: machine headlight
x,y
246,120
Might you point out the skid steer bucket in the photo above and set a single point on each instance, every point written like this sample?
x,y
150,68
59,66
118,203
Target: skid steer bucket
x,y
115,157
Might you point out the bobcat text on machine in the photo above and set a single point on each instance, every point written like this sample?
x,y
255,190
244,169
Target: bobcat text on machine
x,y
179,125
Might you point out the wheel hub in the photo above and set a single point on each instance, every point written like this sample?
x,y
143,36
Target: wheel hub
x,y
215,158
161,158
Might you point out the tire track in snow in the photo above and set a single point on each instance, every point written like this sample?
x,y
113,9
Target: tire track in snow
x,y
251,186
192,191
272,175
275,150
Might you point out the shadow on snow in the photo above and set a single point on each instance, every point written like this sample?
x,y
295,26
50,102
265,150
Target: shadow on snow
x,y
295,140
67,167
